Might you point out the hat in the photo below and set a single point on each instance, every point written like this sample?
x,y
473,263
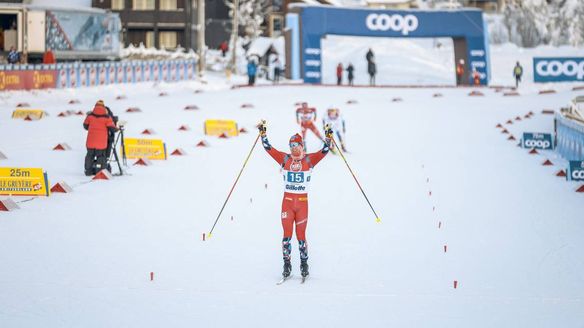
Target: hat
x,y
99,103
296,138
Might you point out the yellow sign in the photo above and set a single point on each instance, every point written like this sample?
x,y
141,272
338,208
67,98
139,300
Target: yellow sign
x,y
218,127
145,148
35,114
17,181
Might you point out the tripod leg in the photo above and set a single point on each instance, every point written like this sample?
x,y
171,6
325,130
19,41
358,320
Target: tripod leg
x,y
115,153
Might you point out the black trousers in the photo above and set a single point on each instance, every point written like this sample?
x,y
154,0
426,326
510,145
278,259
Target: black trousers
x,y
251,79
339,80
95,155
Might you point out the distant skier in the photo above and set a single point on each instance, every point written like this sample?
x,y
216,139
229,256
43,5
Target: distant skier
x,y
339,74
306,116
517,73
350,69
336,122
460,72
296,169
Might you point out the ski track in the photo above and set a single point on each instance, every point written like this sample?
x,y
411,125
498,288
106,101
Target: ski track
x,y
513,229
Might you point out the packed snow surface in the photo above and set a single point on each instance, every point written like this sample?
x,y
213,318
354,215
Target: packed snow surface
x,y
436,170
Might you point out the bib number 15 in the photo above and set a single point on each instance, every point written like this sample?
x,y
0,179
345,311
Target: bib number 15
x,y
297,177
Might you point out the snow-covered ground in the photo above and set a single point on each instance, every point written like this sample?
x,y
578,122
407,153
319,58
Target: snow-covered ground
x,y
513,230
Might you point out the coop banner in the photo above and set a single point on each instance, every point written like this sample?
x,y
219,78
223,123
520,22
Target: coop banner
x,y
85,32
576,170
558,69
218,127
145,148
23,182
537,140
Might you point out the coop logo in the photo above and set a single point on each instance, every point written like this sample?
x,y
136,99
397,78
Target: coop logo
x,y
543,144
558,69
577,170
537,140
383,22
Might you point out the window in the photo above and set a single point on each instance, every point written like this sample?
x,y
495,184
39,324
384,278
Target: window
x,y
118,4
168,40
168,5
143,4
149,39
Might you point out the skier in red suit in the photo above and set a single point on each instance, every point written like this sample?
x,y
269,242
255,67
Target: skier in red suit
x,y
306,116
296,169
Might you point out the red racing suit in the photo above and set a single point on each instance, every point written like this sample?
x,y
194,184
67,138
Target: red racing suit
x,y
296,174
306,116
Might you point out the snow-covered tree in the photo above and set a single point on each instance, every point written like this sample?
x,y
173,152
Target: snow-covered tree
x,y
250,16
534,22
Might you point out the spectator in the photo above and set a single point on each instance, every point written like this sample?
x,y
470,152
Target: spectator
x,y
370,56
372,70
49,57
224,47
459,72
13,56
517,72
251,71
350,76
278,68
476,77
339,74
97,123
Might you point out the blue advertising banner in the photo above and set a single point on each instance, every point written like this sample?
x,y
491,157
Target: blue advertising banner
x,y
318,21
558,69
537,140
576,170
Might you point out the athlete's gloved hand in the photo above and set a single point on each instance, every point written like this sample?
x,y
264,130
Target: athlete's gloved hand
x,y
262,128
328,131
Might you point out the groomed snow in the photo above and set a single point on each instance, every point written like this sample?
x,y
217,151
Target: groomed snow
x,y
513,230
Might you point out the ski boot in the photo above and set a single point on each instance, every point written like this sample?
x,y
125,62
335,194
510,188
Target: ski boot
x,y
304,268
287,269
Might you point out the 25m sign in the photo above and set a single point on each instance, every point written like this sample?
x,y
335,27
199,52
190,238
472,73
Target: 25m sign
x,y
558,69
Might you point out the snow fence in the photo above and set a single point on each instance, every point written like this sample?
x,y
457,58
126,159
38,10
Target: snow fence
x,y
570,138
75,75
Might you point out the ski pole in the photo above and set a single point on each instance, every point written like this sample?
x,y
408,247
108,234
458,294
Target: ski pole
x,y
377,218
233,187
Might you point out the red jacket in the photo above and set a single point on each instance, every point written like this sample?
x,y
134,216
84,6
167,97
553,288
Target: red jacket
x,y
97,123
339,71
459,69
49,57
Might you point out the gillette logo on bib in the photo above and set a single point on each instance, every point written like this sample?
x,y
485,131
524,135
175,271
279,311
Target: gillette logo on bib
x,y
296,182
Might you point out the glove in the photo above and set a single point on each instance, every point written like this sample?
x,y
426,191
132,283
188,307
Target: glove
x,y
328,132
262,128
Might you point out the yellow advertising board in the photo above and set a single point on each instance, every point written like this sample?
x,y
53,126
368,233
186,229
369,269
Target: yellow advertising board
x,y
145,148
218,127
18,181
35,114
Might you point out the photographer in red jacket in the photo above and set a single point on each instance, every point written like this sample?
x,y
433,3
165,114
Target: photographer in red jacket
x,y
98,123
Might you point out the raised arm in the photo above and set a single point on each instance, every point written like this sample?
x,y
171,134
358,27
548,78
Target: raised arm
x,y
277,155
316,157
